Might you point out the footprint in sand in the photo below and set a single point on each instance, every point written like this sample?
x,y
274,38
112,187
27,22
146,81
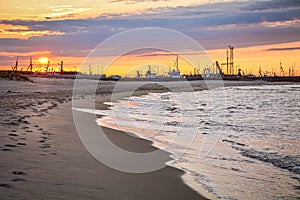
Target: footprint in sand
x,y
23,121
43,110
46,133
13,134
6,149
45,146
5,185
19,173
21,143
13,123
10,145
18,180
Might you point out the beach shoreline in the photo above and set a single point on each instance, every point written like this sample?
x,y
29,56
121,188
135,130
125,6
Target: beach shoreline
x,y
41,149
43,157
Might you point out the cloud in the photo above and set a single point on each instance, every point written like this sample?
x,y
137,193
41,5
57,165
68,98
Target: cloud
x,y
161,53
271,4
135,1
64,12
283,49
23,54
213,25
23,32
287,23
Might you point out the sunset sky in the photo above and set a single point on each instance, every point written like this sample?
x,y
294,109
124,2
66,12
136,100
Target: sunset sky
x,y
263,32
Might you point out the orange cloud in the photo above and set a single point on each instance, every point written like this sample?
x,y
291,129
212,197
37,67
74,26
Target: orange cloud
x,y
288,23
23,32
32,53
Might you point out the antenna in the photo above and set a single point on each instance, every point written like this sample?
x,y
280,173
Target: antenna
x,y
176,64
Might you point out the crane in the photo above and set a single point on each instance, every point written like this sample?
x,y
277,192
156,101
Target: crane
x,y
15,68
29,68
219,69
260,72
281,69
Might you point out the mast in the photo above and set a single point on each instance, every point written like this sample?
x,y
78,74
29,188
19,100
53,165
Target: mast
x,y
227,64
176,64
17,63
48,65
30,65
61,67
231,63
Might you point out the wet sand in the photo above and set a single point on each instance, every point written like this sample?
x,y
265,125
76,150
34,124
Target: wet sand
x,y
42,156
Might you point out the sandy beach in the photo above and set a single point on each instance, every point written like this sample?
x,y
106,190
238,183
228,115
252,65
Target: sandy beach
x,y
42,156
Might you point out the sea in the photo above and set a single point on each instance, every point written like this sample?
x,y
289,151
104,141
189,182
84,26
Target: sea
x,y
239,142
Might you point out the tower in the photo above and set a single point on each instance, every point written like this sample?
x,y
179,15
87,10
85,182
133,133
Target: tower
x,y
61,67
231,61
30,65
176,63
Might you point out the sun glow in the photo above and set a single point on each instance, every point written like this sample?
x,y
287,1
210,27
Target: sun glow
x,y
43,60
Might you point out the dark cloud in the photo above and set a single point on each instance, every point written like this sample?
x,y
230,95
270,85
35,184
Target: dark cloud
x,y
283,49
205,23
179,18
271,4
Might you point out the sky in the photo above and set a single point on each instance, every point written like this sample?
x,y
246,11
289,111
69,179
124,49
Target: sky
x,y
263,32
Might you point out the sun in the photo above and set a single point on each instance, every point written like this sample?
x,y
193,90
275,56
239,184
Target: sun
x,y
43,60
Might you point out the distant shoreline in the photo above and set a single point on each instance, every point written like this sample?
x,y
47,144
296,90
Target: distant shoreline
x,y
77,75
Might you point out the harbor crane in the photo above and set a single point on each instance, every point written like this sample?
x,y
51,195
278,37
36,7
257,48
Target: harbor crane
x,y
281,69
219,69
260,72
15,68
29,68
48,66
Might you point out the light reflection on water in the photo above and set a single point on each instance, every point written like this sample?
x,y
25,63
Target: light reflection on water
x,y
254,132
